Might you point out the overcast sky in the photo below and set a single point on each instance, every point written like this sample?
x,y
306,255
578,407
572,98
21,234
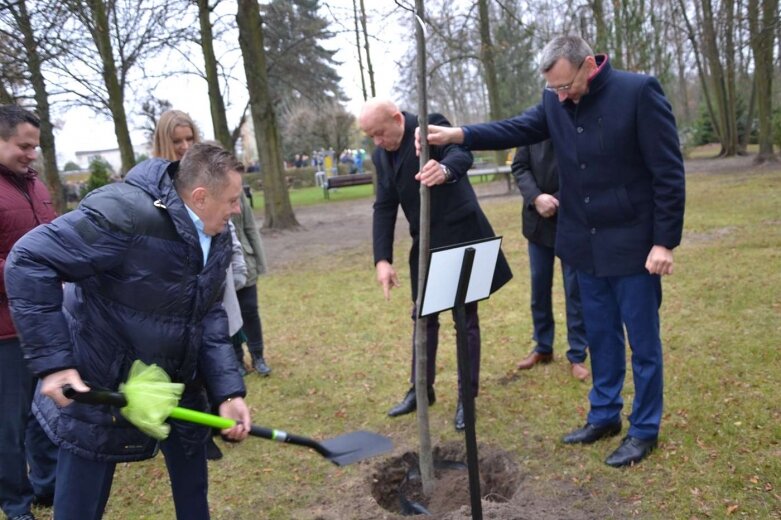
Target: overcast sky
x,y
82,129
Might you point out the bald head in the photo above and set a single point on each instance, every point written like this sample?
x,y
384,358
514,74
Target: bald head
x,y
383,122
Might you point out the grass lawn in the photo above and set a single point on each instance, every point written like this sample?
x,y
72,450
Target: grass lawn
x,y
711,150
340,355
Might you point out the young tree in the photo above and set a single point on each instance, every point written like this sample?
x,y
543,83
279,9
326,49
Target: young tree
x,y
425,454
279,212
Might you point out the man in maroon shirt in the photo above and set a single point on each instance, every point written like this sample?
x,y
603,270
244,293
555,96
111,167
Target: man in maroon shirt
x,y
24,204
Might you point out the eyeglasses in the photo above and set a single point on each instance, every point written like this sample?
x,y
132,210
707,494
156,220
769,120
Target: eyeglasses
x,y
565,88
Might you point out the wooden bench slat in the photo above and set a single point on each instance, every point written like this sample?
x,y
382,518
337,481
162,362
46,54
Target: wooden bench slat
x,y
343,181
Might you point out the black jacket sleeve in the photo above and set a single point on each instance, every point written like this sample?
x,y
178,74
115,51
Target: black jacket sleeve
x,y
522,171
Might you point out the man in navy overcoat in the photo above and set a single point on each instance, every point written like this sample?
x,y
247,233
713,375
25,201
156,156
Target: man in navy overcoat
x,y
620,217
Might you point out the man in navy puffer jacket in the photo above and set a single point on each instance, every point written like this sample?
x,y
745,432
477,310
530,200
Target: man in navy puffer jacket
x,y
622,192
144,264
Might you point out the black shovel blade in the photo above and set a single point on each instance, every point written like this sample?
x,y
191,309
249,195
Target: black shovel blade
x,y
355,446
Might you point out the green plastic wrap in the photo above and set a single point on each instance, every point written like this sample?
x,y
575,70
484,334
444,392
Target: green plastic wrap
x,y
151,396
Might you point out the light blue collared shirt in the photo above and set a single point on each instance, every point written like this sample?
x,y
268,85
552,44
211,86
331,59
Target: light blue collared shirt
x,y
203,238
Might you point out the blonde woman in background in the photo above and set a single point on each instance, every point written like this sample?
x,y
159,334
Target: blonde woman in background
x,y
175,133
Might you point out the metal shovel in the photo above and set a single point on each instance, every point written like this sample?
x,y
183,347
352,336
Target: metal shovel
x,y
342,450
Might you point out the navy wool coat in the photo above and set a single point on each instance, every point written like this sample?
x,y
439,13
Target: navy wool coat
x,y
620,169
137,289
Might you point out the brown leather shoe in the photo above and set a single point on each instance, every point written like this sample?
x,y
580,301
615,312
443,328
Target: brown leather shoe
x,y
579,371
534,358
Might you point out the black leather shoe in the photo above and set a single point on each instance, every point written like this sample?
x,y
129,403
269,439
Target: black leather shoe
x,y
590,433
212,450
409,404
458,422
631,451
43,500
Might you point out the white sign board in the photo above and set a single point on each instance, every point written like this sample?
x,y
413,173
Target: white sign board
x,y
444,269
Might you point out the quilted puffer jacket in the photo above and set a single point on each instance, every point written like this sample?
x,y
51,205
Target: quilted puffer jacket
x,y
137,288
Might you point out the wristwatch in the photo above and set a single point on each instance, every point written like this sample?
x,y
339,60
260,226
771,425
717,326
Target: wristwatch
x,y
447,172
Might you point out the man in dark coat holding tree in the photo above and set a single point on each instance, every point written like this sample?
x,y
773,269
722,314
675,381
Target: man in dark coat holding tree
x,y
456,217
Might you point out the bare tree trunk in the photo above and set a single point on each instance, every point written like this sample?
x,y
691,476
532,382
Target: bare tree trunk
x,y
50,171
752,102
489,67
366,47
618,61
729,51
100,31
216,102
116,96
683,84
603,33
719,81
358,49
717,129
425,455
279,211
762,27
236,133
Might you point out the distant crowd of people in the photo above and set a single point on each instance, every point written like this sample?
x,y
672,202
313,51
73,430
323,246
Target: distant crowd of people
x,y
327,160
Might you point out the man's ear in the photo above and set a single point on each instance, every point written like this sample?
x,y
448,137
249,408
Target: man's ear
x,y
592,62
198,196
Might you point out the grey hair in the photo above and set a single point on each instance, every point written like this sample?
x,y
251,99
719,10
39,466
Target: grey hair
x,y
208,166
571,47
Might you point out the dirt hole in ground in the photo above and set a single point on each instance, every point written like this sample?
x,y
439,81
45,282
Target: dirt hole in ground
x,y
508,491
397,488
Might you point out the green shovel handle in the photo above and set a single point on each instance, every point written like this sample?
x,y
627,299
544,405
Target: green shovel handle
x,y
204,419
118,400
215,421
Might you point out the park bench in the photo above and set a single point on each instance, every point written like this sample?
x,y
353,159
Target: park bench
x,y
344,181
485,170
